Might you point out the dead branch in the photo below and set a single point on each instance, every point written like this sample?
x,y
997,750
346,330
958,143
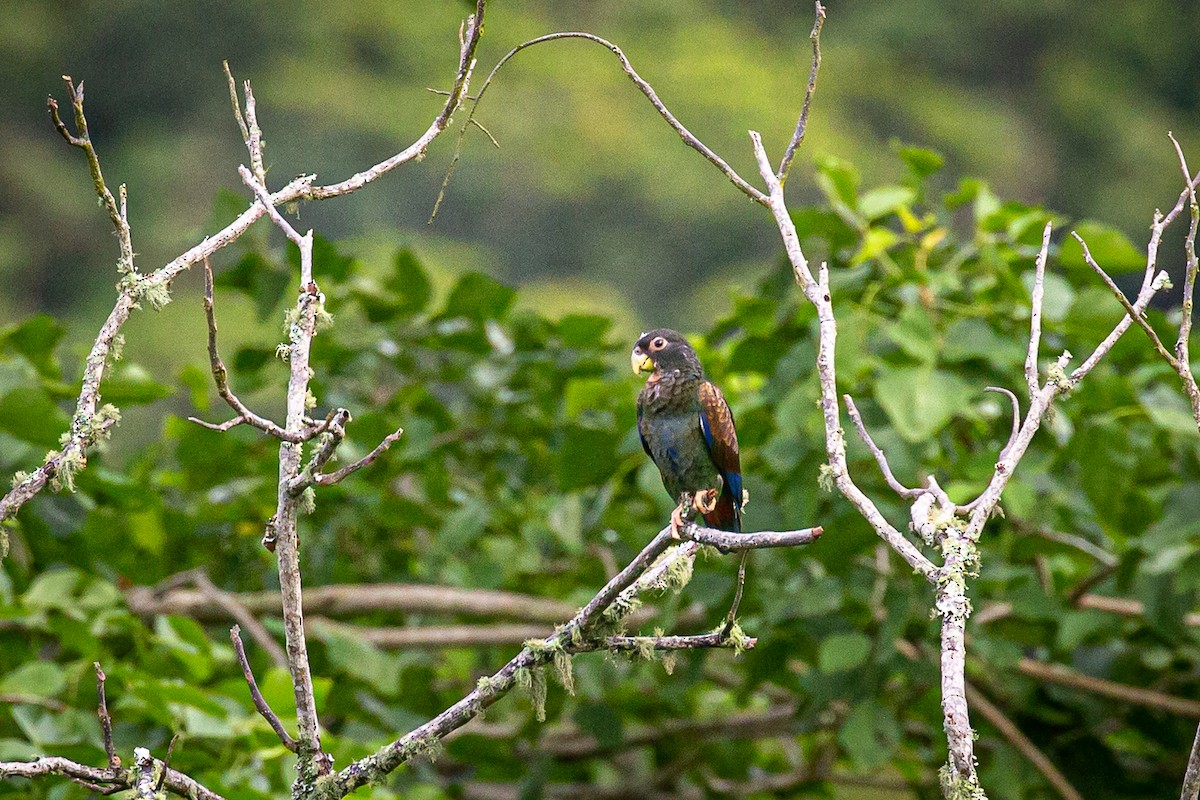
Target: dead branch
x,y
604,607
260,703
105,720
1021,743
1135,695
340,600
88,426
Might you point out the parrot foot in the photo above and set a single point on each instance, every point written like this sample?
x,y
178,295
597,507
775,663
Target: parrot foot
x,y
705,500
677,523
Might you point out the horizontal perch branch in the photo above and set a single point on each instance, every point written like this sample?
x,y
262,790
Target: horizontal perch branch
x,y
579,633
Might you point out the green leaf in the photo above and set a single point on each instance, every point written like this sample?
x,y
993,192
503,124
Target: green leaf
x,y
601,721
479,297
53,589
36,678
842,652
587,457
922,162
920,400
915,334
132,386
875,243
30,415
969,339
869,734
1111,249
884,200
198,383
36,339
410,282
1167,409
184,639
257,278
361,659
583,330
838,179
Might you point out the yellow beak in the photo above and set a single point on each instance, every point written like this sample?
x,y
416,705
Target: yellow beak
x,y
640,362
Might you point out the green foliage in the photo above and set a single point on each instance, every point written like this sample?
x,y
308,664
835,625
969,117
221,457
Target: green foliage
x,y
519,469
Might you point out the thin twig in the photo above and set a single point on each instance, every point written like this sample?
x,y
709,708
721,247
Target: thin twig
x,y
236,104
330,478
33,700
1035,314
1135,695
637,644
102,779
1137,317
802,124
466,66
880,458
1016,416
1023,745
166,766
260,702
114,762
221,378
728,542
1183,343
84,142
264,197
229,603
645,88
354,599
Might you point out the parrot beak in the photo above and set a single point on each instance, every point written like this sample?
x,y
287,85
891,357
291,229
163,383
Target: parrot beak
x,y
640,362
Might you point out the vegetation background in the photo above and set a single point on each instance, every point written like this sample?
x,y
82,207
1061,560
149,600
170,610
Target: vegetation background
x,y
595,211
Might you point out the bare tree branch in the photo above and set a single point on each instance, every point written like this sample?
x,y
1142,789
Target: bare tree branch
x,y
728,542
1035,315
350,599
646,89
101,780
116,214
1016,416
817,293
802,124
468,43
1137,317
88,426
1135,695
312,761
330,478
105,720
880,458
1014,736
1183,364
574,634
221,378
33,700
260,702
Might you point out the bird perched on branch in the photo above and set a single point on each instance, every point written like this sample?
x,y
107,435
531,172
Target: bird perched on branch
x,y
687,429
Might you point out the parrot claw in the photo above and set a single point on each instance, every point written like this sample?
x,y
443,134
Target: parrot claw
x,y
705,500
677,523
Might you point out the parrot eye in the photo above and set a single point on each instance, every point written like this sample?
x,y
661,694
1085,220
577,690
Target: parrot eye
x,y
658,344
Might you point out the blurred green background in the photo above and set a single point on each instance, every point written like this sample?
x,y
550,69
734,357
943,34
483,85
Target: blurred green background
x,y
591,200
